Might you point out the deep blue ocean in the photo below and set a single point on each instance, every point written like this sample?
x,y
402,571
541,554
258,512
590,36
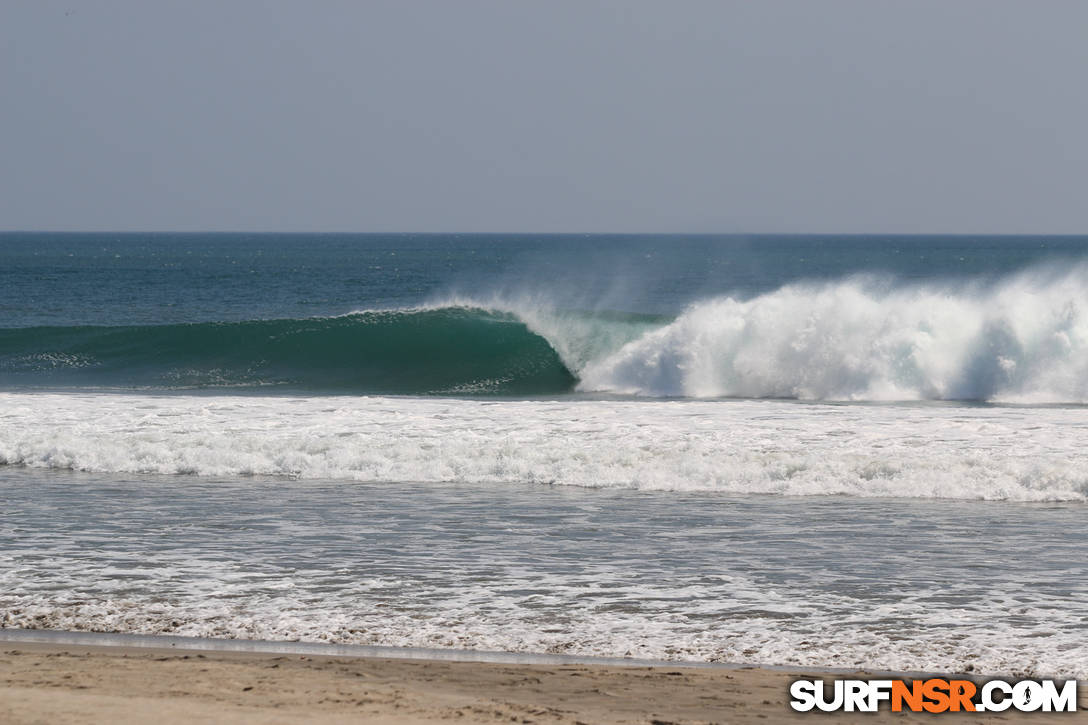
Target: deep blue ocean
x,y
854,451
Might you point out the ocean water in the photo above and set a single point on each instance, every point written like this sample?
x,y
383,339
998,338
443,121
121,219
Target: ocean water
x,y
826,451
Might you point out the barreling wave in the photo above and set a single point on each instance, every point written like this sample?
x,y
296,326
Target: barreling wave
x,y
1021,339
452,350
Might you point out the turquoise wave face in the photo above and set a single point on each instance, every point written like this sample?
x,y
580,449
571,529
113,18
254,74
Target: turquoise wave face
x,y
412,352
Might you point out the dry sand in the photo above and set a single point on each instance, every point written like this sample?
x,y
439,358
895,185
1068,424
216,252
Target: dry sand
x,y
57,683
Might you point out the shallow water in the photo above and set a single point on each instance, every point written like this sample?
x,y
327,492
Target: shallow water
x,y
899,584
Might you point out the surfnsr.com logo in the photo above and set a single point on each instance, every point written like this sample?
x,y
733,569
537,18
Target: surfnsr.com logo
x,y
934,695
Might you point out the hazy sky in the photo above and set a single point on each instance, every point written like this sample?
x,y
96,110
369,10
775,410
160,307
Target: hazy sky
x,y
627,116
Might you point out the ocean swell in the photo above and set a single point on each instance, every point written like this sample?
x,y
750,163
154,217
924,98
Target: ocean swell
x,y
446,350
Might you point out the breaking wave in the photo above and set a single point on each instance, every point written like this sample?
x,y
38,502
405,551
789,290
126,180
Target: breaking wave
x,y
1021,339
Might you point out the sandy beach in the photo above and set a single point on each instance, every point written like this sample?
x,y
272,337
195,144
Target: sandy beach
x,y
62,683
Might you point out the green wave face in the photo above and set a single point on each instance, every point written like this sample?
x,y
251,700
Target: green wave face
x,y
418,352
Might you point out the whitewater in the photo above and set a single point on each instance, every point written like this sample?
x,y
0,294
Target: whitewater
x,y
1019,339
737,447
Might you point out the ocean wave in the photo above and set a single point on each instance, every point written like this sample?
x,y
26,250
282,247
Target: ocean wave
x,y
445,350
1019,339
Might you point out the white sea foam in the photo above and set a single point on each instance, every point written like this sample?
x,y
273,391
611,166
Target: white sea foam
x,y
759,447
1021,339
895,584
940,640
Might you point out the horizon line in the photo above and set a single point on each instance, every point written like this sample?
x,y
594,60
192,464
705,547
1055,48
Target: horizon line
x,y
546,234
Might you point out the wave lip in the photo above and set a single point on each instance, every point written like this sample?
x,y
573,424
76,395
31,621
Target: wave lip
x,y
453,350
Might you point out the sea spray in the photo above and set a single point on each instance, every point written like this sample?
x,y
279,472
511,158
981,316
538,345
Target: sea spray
x,y
1022,339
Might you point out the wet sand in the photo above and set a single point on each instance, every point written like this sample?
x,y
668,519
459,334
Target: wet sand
x,y
65,683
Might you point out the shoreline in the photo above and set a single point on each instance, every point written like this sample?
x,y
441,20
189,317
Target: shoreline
x,y
331,649
76,682
169,642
